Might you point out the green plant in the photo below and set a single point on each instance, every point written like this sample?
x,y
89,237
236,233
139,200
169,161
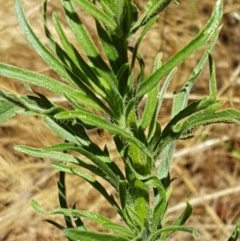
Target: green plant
x,y
106,81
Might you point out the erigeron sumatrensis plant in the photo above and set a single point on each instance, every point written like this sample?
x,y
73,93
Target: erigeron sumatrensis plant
x,y
111,85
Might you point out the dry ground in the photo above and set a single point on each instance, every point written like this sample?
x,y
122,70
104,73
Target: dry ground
x,y
207,167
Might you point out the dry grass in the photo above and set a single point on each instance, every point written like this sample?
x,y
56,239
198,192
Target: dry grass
x,y
207,167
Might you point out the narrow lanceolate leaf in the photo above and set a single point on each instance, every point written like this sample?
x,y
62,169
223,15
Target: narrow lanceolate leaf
x,y
106,77
68,54
56,153
174,128
86,78
81,73
36,104
205,118
153,132
184,216
109,7
90,179
172,229
153,103
139,40
8,110
98,14
180,102
63,198
180,99
107,172
42,153
213,80
236,233
80,32
105,222
208,31
74,133
166,159
76,235
35,42
96,121
30,77
153,7
158,212
109,48
188,124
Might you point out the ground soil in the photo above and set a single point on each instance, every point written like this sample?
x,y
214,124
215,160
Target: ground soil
x,y
206,167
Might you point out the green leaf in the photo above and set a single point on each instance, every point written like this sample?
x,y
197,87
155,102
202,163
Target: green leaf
x,y
68,54
35,42
98,14
109,48
8,110
63,198
213,81
98,168
106,77
133,215
107,171
184,216
84,77
82,100
66,58
155,132
86,74
42,153
104,167
180,99
36,104
173,228
125,15
160,203
153,104
90,179
130,16
180,221
76,235
31,77
138,202
108,7
96,121
120,11
180,102
82,36
83,74
173,130
153,7
154,135
206,117
139,40
207,32
166,159
80,32
57,225
72,132
105,222
236,233
65,72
